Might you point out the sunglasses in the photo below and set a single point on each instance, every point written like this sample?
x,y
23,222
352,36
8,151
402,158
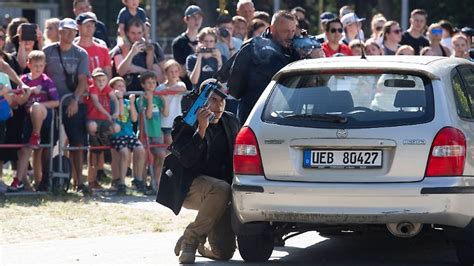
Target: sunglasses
x,y
436,31
333,30
396,31
378,28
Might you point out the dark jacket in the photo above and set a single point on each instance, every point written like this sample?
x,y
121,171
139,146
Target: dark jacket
x,y
179,172
101,33
253,68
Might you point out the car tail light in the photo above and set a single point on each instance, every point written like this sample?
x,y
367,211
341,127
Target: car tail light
x,y
247,159
447,154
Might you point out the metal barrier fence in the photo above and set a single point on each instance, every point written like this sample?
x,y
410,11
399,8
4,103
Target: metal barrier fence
x,y
61,175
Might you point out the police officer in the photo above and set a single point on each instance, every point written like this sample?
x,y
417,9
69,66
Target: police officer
x,y
259,59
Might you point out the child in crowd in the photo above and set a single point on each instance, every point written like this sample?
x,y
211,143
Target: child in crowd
x,y
356,47
130,11
153,106
39,102
405,50
5,103
125,142
100,122
460,46
173,85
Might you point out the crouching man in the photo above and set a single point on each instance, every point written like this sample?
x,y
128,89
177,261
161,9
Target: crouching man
x,y
200,179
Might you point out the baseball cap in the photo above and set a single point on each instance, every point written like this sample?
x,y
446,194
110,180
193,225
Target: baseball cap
x,y
191,10
98,72
86,17
468,31
326,16
68,23
350,18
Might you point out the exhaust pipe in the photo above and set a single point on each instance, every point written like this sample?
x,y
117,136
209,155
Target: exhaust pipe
x,y
404,229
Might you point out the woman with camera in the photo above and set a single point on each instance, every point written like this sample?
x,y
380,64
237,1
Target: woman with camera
x,y
206,60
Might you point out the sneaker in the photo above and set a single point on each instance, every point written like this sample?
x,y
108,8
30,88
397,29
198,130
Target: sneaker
x,y
17,184
95,185
188,254
139,185
121,189
43,186
101,176
34,141
115,183
83,189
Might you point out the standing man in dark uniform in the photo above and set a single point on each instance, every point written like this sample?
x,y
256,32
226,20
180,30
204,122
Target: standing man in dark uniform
x,y
258,60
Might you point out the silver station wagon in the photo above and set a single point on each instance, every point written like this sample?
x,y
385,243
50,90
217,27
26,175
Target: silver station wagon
x,y
345,143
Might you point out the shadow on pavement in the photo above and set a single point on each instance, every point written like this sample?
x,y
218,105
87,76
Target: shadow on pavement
x,y
362,250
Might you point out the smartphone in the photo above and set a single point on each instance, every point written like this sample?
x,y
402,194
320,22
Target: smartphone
x,y
206,50
28,31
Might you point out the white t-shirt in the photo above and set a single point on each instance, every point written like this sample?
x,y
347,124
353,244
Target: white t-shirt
x,y
174,103
5,80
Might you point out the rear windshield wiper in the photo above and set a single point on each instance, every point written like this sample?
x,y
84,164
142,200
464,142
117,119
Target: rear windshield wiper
x,y
320,117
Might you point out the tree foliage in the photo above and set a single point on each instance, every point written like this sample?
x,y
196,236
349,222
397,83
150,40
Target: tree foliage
x,y
170,12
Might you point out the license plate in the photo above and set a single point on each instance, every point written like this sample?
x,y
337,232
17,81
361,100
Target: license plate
x,y
342,159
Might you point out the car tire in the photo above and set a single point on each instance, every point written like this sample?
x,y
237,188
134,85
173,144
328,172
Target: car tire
x,y
255,248
465,252
465,245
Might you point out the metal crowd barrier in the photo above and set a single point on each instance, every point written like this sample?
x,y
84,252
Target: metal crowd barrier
x,y
60,176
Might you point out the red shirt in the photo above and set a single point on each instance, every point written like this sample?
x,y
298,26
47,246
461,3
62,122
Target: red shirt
x,y
92,112
343,49
98,56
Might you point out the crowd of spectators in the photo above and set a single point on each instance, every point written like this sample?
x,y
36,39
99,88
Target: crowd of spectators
x,y
74,57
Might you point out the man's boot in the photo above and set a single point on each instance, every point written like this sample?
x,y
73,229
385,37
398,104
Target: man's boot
x,y
188,254
177,247
206,251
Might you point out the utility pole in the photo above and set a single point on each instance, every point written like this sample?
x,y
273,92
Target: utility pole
x,y
153,21
276,5
404,15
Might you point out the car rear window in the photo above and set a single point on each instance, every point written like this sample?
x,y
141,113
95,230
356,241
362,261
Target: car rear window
x,y
350,100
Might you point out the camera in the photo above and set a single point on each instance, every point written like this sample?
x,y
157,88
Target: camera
x,y
224,32
148,44
305,44
28,32
206,50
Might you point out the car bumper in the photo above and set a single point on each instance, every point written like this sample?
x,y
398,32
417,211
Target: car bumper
x,y
440,200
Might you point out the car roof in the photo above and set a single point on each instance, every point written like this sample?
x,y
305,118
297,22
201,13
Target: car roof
x,y
432,66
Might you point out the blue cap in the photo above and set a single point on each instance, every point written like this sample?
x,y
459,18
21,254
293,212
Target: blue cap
x,y
191,10
326,16
68,23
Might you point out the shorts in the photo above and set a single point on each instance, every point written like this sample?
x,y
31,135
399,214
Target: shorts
x,y
122,142
45,129
103,126
166,130
75,126
158,140
3,127
5,110
14,128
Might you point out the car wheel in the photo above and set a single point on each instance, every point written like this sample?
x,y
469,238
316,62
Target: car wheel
x,y
465,252
255,248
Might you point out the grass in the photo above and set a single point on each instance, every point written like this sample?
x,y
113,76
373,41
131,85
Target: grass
x,y
47,217
71,215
